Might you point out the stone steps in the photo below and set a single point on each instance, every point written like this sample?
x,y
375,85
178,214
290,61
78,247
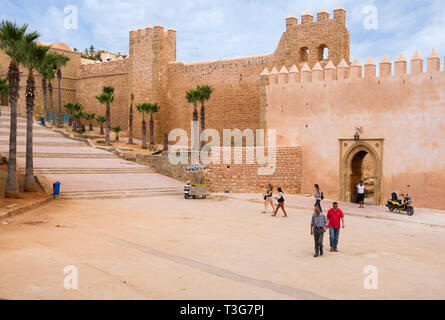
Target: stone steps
x,y
63,171
47,144
68,155
120,194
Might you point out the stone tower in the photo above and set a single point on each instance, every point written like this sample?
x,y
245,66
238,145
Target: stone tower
x,y
151,49
323,40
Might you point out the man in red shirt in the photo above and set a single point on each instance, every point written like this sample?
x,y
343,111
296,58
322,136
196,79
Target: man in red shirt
x,y
334,216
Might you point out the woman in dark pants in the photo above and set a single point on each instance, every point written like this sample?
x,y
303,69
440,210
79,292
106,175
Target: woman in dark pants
x,y
280,199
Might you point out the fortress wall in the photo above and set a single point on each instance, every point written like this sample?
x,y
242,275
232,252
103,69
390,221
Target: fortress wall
x,y
93,77
406,110
235,100
68,83
151,49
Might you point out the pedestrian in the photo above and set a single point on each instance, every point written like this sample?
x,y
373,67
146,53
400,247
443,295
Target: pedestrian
x,y
187,190
334,216
268,198
280,199
361,194
319,226
318,195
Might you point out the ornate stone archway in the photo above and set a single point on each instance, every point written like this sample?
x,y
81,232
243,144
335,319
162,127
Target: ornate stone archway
x,y
348,150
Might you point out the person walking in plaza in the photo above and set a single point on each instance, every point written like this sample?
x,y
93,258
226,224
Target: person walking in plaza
x,y
361,194
334,216
187,190
280,199
319,226
268,198
318,195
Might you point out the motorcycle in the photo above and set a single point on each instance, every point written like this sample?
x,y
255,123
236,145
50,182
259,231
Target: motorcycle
x,y
396,205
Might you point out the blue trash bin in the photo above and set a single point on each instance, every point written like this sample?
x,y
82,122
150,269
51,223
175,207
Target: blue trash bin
x,y
42,121
56,189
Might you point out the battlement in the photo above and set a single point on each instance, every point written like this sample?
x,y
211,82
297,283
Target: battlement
x,y
322,17
104,68
157,31
354,70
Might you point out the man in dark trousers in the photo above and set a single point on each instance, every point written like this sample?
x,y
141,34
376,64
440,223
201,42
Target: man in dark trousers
x,y
319,226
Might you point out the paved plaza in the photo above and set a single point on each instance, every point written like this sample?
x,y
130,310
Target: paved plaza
x,y
221,248
131,235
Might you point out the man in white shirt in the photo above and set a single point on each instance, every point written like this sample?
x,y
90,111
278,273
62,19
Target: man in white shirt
x,y
361,194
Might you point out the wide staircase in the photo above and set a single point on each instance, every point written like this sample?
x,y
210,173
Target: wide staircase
x,y
85,172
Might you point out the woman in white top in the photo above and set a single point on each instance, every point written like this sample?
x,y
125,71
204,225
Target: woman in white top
x,y
361,194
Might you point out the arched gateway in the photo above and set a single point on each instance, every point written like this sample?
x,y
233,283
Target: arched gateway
x,y
354,168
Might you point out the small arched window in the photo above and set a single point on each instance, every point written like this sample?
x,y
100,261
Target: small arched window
x,y
323,52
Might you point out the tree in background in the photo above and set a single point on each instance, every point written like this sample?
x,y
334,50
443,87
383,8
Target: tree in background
x,y
204,94
90,118
144,108
12,37
34,57
192,96
101,120
107,98
116,130
4,88
130,121
60,62
153,109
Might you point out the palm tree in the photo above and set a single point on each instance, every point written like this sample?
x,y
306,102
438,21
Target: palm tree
x,y
144,108
78,115
154,108
192,96
130,121
74,108
34,56
90,118
116,130
107,98
12,38
205,93
4,88
48,72
101,120
60,62
91,50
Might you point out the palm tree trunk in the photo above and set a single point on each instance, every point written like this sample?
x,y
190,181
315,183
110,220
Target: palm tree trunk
x,y
45,111
152,129
203,125
130,125
144,134
30,95
12,188
91,126
51,102
101,128
59,89
107,133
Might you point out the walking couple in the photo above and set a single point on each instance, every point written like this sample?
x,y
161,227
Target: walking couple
x,y
320,224
268,199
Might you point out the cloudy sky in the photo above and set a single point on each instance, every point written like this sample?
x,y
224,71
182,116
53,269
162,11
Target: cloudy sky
x,y
217,29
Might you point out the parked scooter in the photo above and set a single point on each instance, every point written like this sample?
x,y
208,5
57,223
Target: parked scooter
x,y
396,205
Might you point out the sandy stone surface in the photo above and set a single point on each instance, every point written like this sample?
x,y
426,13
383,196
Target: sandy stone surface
x,y
171,248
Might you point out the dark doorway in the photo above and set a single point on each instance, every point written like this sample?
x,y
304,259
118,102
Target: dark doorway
x,y
357,173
